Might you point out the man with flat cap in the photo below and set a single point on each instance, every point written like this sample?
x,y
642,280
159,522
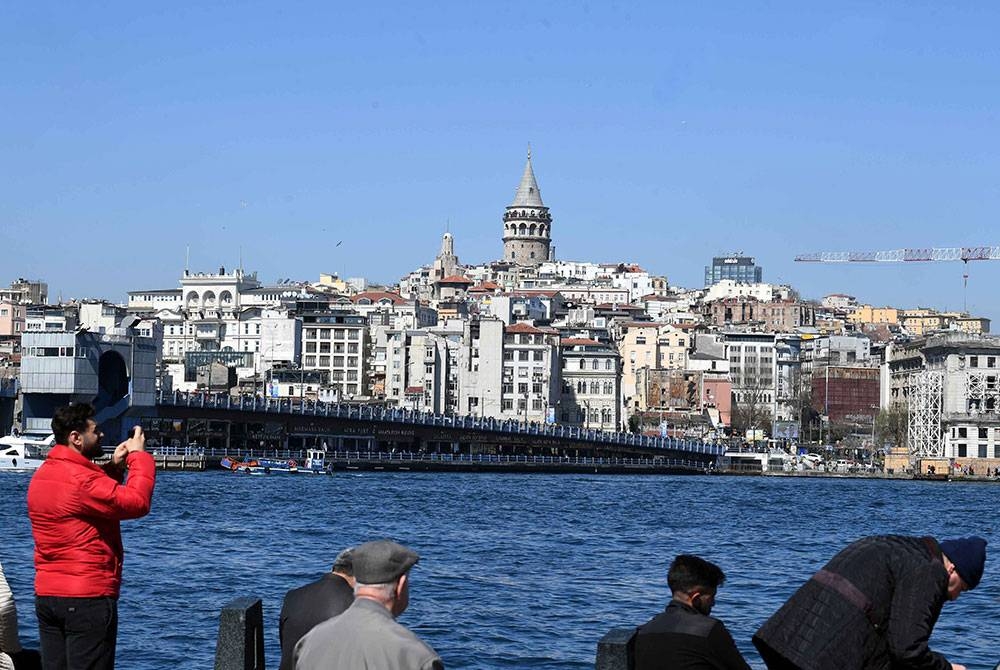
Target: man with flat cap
x,y
314,603
873,605
366,635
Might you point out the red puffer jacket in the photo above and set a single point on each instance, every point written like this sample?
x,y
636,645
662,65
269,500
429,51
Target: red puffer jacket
x,y
75,508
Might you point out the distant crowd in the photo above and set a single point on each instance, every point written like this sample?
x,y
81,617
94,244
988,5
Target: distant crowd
x,y
873,605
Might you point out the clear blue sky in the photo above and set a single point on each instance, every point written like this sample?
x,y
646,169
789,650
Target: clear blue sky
x,y
662,134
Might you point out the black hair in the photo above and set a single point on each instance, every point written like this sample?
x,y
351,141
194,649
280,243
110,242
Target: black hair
x,y
688,573
69,418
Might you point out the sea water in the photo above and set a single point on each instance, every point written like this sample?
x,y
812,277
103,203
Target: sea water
x,y
516,571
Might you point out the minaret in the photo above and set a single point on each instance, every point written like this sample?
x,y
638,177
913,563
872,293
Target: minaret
x,y
527,224
446,263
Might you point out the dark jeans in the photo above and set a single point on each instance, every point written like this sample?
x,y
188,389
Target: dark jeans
x,y
77,633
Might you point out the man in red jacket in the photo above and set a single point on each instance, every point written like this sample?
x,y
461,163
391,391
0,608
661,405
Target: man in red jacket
x,y
75,507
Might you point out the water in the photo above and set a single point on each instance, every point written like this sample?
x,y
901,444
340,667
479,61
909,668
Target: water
x,y
517,571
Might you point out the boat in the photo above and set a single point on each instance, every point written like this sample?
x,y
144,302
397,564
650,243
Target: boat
x,y
260,466
18,454
315,462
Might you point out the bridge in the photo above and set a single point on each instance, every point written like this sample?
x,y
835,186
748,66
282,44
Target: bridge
x,y
362,435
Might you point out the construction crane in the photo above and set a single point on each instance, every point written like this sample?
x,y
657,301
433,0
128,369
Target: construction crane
x,y
964,254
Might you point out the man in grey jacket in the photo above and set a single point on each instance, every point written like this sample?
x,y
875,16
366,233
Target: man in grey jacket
x,y
367,635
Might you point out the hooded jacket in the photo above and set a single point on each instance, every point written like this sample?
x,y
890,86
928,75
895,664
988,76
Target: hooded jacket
x,y
873,606
75,507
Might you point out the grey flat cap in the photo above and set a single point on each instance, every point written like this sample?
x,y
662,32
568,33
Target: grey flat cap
x,y
382,561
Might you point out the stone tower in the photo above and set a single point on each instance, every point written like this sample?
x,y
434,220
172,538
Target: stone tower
x,y
446,263
527,224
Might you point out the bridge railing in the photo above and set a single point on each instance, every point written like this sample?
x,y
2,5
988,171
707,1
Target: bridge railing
x,y
414,457
254,403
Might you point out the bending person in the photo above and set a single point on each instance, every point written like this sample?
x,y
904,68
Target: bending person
x,y
873,605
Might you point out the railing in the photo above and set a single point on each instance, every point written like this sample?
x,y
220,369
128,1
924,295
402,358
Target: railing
x,y
421,457
254,403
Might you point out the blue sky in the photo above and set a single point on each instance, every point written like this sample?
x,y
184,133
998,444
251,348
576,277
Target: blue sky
x,y
662,134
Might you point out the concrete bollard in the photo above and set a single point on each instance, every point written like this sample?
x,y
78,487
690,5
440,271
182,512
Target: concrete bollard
x,y
241,636
616,650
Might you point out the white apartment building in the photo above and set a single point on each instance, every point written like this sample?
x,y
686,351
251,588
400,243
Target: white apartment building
x,y
591,385
337,342
753,368
729,288
530,382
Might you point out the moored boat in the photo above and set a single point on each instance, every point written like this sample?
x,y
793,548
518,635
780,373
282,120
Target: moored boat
x,y
315,462
260,466
18,454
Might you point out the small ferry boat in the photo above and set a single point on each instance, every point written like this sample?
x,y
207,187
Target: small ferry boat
x,y
315,462
20,455
260,466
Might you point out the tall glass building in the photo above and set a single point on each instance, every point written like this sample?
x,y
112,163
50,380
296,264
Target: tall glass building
x,y
741,269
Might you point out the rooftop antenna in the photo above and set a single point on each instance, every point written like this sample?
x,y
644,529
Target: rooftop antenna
x,y
187,259
529,151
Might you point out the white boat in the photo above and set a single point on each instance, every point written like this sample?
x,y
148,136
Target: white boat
x,y
18,454
315,462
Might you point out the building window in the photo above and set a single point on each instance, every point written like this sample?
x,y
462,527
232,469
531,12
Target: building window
x,y
982,451
973,361
507,405
962,451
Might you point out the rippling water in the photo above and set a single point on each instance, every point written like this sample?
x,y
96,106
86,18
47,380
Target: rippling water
x,y
517,571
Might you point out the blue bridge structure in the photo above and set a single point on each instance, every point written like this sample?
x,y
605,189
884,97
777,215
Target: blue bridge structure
x,y
367,436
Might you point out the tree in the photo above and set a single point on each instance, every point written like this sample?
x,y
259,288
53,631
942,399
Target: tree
x,y
634,424
751,412
891,426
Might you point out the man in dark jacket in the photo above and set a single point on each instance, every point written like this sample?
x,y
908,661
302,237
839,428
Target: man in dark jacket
x,y
314,603
685,637
874,605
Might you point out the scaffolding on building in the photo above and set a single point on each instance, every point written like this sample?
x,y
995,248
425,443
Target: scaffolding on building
x,y
982,392
926,400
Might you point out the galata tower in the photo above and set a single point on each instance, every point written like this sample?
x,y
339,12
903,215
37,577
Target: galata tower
x,y
527,224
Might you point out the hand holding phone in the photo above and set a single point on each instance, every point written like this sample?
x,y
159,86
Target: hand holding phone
x,y
136,439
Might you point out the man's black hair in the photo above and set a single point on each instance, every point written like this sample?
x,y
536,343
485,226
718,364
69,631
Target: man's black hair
x,y
69,418
689,573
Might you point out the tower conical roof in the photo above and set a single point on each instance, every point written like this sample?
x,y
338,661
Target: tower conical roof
x,y
528,194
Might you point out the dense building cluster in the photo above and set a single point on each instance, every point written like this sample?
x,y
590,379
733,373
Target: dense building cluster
x,y
596,345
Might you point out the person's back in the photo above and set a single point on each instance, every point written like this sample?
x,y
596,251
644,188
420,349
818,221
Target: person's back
x,y
367,637
367,634
312,604
684,636
874,605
